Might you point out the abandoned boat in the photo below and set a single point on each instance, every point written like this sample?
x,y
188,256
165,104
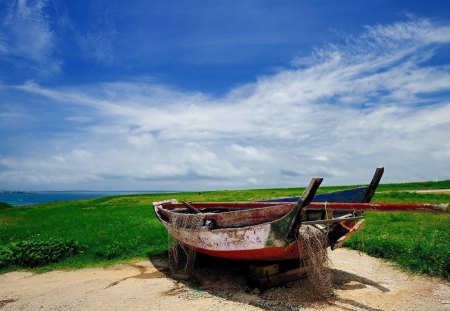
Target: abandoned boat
x,y
268,230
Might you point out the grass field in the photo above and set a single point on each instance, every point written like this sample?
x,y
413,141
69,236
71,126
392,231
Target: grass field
x,y
108,230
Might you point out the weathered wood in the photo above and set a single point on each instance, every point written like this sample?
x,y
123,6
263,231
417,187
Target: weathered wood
x,y
191,207
330,221
239,214
358,226
235,218
277,279
305,200
263,271
343,206
382,207
373,184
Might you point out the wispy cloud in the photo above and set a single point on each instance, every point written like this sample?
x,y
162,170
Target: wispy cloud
x,y
375,99
26,34
98,44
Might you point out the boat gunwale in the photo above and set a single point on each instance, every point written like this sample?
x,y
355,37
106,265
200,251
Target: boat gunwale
x,y
225,229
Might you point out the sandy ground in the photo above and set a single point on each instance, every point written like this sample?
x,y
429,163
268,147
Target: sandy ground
x,y
360,283
429,191
435,191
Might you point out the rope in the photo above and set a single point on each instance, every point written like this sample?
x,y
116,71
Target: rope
x,y
326,217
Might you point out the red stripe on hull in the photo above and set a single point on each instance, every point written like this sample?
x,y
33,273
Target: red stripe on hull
x,y
264,254
385,207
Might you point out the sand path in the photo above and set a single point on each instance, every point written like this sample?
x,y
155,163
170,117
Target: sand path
x,y
360,283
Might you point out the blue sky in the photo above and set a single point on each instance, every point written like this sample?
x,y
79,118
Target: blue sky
x,y
196,95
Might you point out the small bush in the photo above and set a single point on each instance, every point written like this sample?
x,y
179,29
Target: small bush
x,y
5,257
32,254
4,205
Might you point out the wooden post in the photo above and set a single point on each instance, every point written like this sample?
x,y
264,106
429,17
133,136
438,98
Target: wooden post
x,y
304,201
373,184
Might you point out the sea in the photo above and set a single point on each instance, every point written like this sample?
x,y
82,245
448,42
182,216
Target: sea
x,y
19,198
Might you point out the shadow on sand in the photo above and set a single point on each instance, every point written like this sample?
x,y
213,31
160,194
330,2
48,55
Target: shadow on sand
x,y
226,279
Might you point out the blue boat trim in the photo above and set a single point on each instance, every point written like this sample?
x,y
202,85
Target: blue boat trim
x,y
355,195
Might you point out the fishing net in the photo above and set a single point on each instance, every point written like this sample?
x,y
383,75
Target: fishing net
x,y
181,257
312,243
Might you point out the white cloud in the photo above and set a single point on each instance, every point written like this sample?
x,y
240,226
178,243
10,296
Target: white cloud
x,y
249,153
26,34
345,110
321,158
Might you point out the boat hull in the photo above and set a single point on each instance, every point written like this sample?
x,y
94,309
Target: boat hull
x,y
259,242
261,254
265,230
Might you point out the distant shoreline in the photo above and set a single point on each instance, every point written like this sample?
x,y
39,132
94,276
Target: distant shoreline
x,y
27,198
86,191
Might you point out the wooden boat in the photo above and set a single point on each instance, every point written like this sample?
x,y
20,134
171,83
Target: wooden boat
x,y
268,230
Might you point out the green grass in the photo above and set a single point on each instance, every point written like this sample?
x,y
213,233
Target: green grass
x,y
416,241
110,228
427,185
113,229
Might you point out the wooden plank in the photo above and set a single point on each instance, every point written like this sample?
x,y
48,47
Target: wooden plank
x,y
358,226
330,221
373,184
191,207
277,279
342,206
299,212
263,271
383,207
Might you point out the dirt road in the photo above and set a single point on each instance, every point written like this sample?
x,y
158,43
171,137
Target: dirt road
x,y
360,283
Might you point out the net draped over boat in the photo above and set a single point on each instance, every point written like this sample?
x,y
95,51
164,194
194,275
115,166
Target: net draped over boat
x,y
313,242
181,257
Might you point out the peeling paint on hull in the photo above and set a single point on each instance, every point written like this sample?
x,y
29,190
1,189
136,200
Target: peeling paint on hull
x,y
239,244
226,239
264,242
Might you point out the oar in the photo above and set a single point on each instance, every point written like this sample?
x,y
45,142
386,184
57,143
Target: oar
x,y
191,207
